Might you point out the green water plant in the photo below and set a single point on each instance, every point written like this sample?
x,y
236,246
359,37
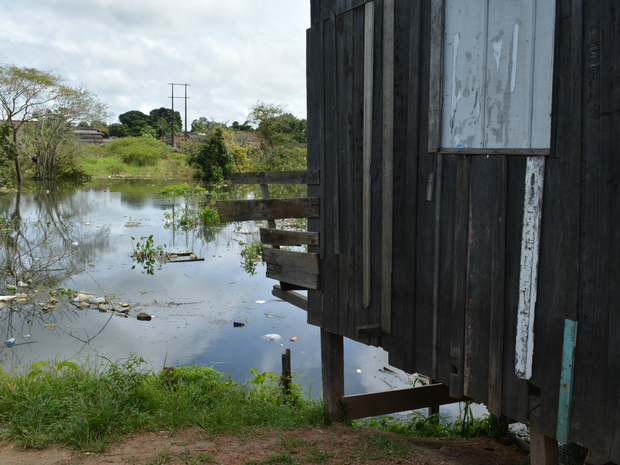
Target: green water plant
x,y
145,252
250,256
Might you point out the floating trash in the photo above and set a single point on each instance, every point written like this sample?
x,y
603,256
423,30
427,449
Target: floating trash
x,y
144,316
358,370
272,337
74,244
84,297
293,339
238,324
260,301
124,304
10,342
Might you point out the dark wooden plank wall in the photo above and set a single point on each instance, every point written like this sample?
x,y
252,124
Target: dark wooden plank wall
x,y
481,216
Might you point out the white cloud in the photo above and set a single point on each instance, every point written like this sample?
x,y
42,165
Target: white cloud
x,y
231,53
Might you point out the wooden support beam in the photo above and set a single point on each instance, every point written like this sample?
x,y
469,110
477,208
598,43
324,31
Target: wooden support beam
x,y
364,332
332,361
544,450
297,268
292,297
399,400
267,209
276,177
285,380
283,237
292,287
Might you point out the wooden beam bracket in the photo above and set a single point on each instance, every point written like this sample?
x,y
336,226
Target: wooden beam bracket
x,y
292,297
399,400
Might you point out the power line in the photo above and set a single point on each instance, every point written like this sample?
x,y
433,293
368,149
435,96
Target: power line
x,y
173,97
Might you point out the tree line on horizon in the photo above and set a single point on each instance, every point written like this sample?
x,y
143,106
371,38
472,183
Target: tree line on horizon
x,y
39,114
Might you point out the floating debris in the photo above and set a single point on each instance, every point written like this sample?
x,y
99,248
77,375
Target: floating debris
x,y
260,301
10,342
358,370
272,337
293,339
124,304
238,324
144,316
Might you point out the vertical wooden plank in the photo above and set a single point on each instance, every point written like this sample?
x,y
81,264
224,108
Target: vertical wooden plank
x,y
374,313
402,196
436,260
388,145
336,176
482,228
461,240
369,41
329,233
345,128
446,269
436,60
544,450
594,261
530,241
559,244
612,132
566,381
498,283
316,153
411,153
514,391
360,312
332,360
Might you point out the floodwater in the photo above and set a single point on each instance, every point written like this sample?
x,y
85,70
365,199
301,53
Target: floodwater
x,y
82,237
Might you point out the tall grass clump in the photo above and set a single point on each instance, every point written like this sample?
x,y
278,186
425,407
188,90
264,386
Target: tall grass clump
x,y
86,406
139,151
464,426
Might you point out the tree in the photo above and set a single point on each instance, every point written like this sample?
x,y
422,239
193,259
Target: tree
x,y
134,120
161,118
24,93
214,157
49,138
8,152
118,130
205,125
264,117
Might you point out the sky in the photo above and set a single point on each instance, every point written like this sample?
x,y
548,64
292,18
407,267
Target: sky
x,y
231,53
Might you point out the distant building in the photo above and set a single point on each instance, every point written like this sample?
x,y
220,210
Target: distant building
x,y
89,136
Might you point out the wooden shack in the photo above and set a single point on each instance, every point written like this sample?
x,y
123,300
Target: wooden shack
x,y
468,212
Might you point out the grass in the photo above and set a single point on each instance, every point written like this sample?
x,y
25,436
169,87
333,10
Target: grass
x,y
85,407
151,162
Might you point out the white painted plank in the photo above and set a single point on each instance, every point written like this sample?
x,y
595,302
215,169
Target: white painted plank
x,y
528,280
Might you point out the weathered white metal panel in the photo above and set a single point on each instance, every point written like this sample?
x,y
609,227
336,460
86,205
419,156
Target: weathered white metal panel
x,y
497,70
528,279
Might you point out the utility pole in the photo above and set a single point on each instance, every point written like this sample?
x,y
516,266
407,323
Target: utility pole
x,y
173,97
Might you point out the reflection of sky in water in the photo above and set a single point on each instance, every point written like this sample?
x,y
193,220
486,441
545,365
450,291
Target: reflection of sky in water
x,y
195,304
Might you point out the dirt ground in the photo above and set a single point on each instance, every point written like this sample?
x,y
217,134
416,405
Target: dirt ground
x,y
332,445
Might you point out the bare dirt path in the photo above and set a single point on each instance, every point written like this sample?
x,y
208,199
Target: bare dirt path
x,y
332,445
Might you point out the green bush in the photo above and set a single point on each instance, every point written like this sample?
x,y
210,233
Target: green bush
x,y
140,151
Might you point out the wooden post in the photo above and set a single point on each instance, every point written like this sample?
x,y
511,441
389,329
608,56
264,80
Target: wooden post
x,y
271,223
433,410
332,360
286,372
544,450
